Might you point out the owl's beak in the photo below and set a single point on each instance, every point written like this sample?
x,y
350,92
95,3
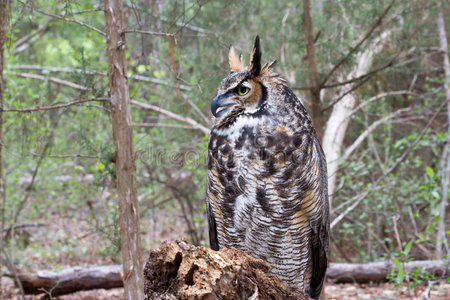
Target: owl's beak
x,y
220,105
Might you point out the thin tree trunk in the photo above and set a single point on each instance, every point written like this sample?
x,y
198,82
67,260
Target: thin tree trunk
x,y
339,120
317,113
4,19
441,236
125,156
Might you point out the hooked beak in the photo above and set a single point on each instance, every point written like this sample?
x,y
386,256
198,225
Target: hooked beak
x,y
220,105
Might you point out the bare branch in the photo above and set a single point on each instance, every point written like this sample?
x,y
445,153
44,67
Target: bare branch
x,y
380,96
26,41
54,80
151,125
199,112
360,79
353,88
356,200
63,18
65,155
188,26
91,72
172,115
356,47
56,106
87,11
153,33
369,130
370,73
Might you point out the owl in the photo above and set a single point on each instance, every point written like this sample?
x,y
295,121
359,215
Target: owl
x,y
267,179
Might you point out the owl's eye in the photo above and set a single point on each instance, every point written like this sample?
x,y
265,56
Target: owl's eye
x,y
243,90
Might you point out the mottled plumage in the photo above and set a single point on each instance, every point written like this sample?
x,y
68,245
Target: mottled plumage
x,y
267,180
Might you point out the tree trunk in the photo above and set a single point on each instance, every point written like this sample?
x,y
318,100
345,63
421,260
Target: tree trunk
x,y
317,113
339,120
441,235
125,156
4,19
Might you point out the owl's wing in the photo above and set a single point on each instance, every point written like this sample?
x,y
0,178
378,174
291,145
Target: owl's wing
x,y
319,236
213,241
319,259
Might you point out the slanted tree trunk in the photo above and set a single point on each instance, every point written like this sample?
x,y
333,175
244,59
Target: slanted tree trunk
x,y
441,235
125,156
4,19
337,124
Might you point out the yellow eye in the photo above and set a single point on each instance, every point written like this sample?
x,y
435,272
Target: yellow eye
x,y
243,90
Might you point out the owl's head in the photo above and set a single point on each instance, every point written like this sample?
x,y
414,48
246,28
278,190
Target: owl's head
x,y
245,89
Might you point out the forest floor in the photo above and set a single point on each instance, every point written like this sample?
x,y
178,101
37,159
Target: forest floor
x,y
63,242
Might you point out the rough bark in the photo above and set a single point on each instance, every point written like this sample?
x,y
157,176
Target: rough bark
x,y
340,117
4,19
178,270
441,236
317,113
125,156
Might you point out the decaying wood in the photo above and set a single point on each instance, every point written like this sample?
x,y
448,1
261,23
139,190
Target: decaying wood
x,y
178,270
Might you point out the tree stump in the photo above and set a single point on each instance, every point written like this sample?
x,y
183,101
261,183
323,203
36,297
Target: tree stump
x,y
177,270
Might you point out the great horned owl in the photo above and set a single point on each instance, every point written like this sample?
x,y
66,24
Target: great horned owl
x,y
267,180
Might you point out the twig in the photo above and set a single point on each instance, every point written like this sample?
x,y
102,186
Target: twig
x,y
199,112
361,80
369,130
91,72
29,188
359,198
397,236
356,47
151,125
188,26
382,95
53,79
56,106
370,73
63,18
172,115
26,41
86,11
153,33
64,155
370,231
12,268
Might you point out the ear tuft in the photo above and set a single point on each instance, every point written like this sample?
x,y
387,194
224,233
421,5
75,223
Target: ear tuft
x,y
255,58
236,64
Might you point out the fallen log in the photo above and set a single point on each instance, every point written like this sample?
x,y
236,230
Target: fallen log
x,y
72,280
379,271
195,264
